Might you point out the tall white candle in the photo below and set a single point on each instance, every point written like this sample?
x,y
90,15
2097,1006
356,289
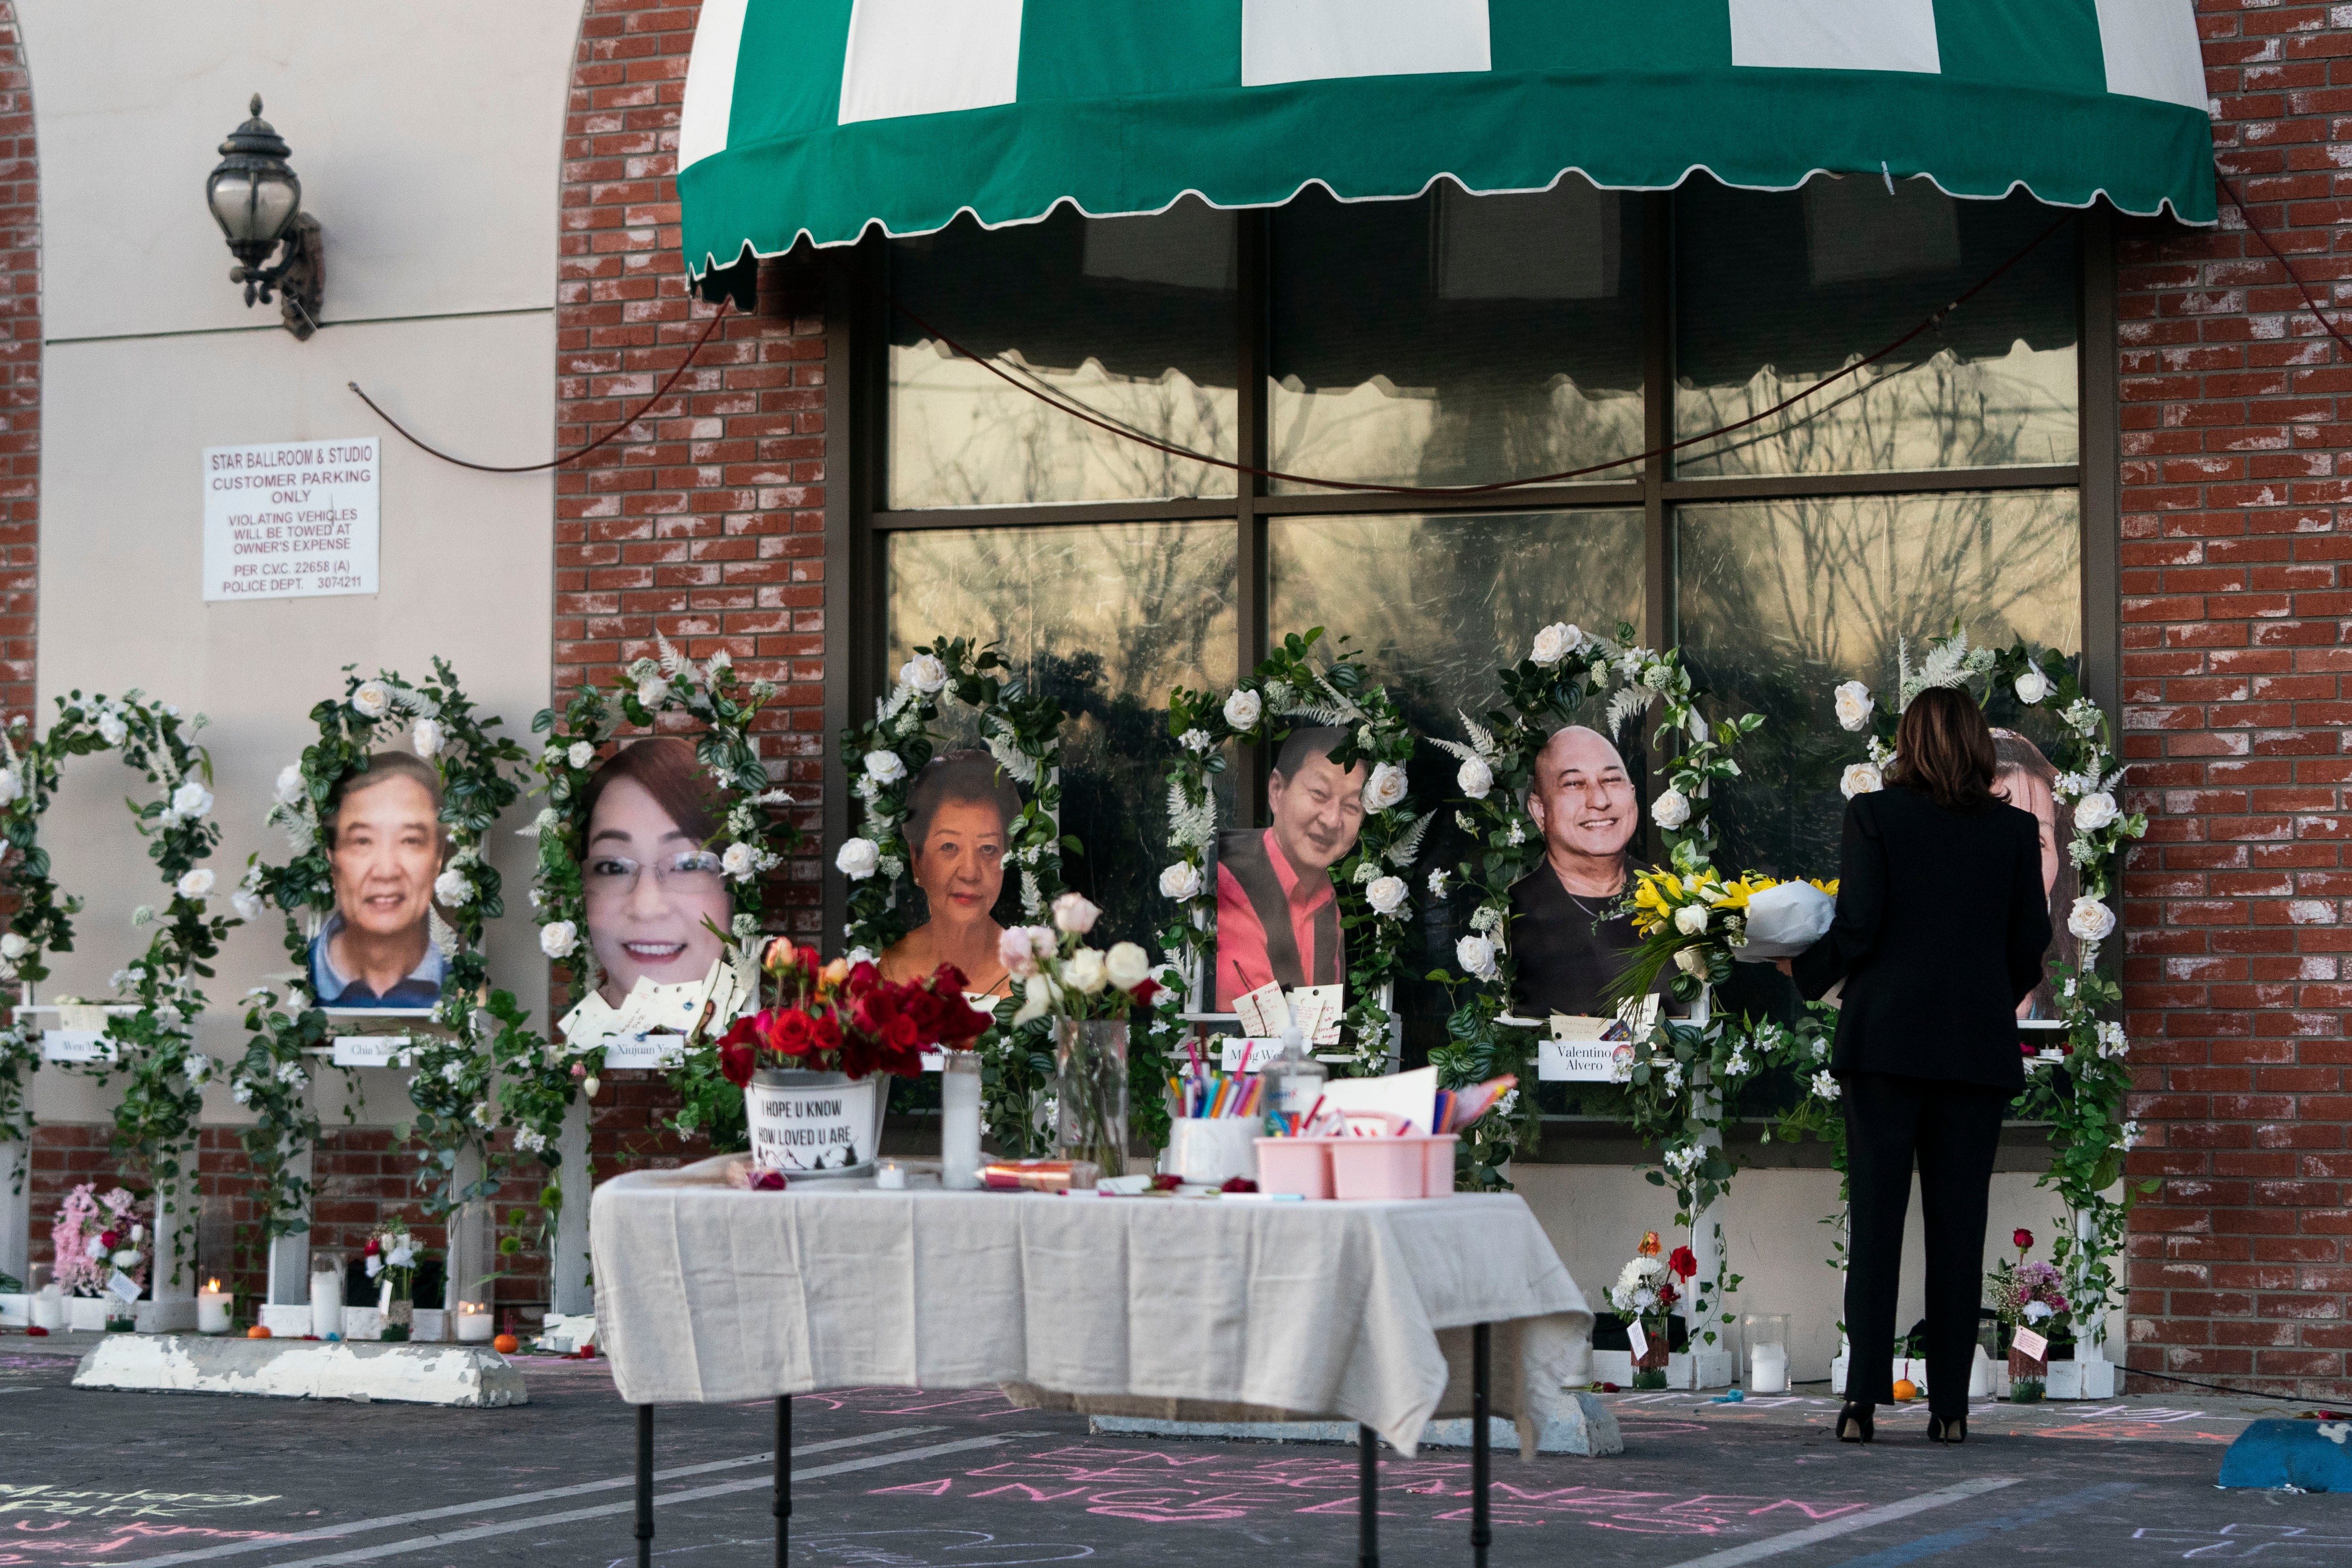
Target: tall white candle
x,y
959,1122
1768,1370
326,1301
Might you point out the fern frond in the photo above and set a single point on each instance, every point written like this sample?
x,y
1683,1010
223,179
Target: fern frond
x,y
674,664
1408,843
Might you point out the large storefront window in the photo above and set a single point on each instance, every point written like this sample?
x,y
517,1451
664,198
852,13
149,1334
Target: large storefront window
x,y
1453,340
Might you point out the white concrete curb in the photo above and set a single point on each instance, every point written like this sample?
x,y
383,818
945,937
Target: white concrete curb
x,y
465,1375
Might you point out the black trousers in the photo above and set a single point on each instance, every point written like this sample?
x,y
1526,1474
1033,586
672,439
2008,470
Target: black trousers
x,y
1951,1130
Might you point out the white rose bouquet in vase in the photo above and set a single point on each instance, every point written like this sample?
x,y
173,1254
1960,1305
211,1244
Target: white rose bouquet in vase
x,y
1088,992
391,1257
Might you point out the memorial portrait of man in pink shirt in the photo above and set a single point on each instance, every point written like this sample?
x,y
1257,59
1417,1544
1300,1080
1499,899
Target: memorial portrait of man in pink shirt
x,y
1277,913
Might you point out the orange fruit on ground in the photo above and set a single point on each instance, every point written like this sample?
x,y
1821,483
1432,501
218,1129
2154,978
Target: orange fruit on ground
x,y
506,1345
1906,1389
257,1332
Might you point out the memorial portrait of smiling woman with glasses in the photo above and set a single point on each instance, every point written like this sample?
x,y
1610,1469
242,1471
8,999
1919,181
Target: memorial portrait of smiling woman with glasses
x,y
655,889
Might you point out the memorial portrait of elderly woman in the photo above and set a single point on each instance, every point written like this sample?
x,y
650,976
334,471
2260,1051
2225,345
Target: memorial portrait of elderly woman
x,y
1569,945
2024,778
654,887
959,816
1277,912
382,831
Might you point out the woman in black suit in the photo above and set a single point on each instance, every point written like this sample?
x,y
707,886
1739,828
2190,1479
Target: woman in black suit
x,y
1941,927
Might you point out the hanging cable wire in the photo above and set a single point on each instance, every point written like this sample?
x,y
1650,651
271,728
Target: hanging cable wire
x,y
2292,277
661,392
1079,411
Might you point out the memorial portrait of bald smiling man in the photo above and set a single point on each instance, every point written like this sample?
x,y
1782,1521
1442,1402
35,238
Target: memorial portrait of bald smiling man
x,y
1568,944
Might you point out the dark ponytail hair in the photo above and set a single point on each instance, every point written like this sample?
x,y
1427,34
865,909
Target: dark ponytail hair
x,y
1943,749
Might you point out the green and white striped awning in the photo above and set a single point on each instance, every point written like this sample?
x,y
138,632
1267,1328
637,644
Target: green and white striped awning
x,y
820,118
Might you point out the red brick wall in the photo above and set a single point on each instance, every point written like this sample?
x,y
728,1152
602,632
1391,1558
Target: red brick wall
x,y
705,522
2235,604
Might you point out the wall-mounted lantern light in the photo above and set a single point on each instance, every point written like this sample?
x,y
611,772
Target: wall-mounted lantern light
x,y
258,201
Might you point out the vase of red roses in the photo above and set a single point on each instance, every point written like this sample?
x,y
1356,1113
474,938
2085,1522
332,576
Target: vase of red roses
x,y
814,1065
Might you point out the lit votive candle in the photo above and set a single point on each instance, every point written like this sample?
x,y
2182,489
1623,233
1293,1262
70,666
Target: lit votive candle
x,y
891,1177
473,1323
213,1308
1768,1370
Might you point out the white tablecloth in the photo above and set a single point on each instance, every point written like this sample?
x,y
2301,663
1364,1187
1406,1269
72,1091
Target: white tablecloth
x,y
1180,1307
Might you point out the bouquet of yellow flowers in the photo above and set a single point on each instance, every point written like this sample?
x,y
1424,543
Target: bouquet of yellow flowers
x,y
1696,921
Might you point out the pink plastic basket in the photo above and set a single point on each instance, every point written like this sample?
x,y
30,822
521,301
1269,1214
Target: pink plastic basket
x,y
1439,1172
1300,1165
1405,1167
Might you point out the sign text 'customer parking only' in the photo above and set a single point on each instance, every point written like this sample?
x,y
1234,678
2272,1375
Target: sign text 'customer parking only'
x,y
289,520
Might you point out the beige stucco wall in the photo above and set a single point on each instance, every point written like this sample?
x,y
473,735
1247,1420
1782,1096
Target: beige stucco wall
x,y
427,137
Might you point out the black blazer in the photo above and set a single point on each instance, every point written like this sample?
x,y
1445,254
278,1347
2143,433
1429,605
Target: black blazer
x,y
1941,927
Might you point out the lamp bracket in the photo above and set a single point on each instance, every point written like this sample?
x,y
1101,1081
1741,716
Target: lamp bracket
x,y
297,279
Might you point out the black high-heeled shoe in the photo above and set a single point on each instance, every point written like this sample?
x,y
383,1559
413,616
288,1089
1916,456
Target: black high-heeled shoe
x,y
1856,1422
1954,1429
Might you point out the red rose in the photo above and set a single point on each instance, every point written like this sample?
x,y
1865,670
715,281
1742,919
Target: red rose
x,y
863,977
948,978
963,1022
2021,1238
792,1034
900,1034
374,1247
736,1062
1145,990
1683,1262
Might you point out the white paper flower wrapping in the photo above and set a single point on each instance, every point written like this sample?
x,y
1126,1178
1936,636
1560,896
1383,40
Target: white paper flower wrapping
x,y
1852,705
1076,914
372,699
290,790
1244,709
1476,954
925,673
1128,965
1181,881
452,889
1671,810
1555,642
2032,687
196,884
1860,778
1784,921
1386,895
858,859
558,938
1384,788
1473,778
2091,920
885,767
2094,811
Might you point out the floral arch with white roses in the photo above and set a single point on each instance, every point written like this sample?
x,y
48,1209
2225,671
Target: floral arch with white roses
x,y
1376,902
1021,729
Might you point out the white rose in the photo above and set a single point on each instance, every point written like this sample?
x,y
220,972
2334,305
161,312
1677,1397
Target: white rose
x,y
885,767
1853,704
858,859
14,947
1476,954
1860,778
198,883
1671,810
1244,709
1474,778
191,800
1181,881
1555,642
653,691
248,905
1691,919
2094,811
1386,895
111,727
580,754
1086,972
925,673
1075,914
1691,962
372,699
452,889
426,737
12,784
1384,788
2090,920
2032,687
290,788
558,938
1127,964
740,861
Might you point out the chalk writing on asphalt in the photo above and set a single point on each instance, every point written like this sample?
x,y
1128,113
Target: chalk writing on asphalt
x,y
2275,1545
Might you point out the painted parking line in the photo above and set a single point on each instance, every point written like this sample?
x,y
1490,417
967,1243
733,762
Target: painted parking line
x,y
607,1510
1829,1529
485,1505
1970,1534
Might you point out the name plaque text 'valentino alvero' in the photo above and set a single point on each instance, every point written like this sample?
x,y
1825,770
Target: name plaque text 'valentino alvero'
x,y
291,520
